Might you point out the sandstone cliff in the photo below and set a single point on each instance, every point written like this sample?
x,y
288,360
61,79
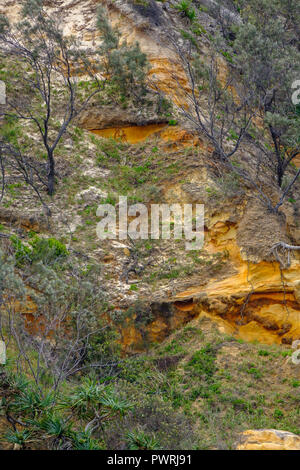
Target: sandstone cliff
x,y
234,284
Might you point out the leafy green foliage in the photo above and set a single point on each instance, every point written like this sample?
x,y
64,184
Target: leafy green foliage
x,y
270,62
18,437
31,403
53,425
203,362
46,250
138,440
89,396
126,65
185,7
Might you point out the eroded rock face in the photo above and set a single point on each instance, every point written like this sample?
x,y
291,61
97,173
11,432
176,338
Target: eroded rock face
x,y
140,23
130,134
253,299
165,319
29,221
268,439
259,302
256,300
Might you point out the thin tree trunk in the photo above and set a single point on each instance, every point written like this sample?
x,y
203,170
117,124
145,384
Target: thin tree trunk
x,y
51,174
279,174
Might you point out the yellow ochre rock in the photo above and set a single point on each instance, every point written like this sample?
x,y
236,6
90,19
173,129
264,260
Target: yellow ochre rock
x,y
257,302
268,439
135,134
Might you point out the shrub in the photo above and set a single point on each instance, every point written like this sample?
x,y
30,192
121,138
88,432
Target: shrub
x,y
138,440
39,249
47,249
18,437
185,8
278,414
22,252
156,419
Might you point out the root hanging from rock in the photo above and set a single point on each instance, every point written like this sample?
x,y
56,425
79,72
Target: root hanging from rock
x,y
282,253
